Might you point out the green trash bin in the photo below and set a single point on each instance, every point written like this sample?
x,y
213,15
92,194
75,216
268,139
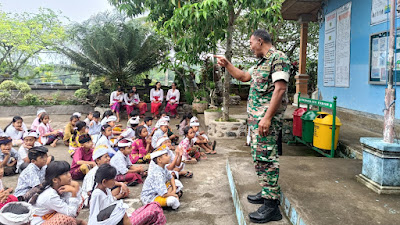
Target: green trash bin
x,y
308,125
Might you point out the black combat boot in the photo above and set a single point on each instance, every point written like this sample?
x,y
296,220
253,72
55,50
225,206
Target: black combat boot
x,y
269,211
255,199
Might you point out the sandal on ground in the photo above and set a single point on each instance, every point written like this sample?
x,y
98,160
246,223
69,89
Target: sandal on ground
x,y
188,174
214,145
180,193
191,161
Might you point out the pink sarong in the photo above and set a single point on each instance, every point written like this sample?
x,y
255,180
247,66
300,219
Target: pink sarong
x,y
116,106
151,213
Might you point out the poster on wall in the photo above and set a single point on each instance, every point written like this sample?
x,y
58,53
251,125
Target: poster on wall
x,y
342,78
329,49
380,10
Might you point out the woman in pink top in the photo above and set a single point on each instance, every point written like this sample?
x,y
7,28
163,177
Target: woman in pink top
x,y
140,147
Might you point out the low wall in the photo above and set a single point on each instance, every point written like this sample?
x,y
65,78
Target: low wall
x,y
227,130
54,109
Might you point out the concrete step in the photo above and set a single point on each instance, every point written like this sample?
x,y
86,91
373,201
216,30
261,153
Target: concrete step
x,y
319,190
243,181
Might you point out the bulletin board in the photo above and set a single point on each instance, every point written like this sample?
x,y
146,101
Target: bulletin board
x,y
378,59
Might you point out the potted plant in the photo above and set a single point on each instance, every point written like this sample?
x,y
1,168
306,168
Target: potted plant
x,y
200,102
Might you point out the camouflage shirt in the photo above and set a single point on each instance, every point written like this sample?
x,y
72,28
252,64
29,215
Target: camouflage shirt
x,y
272,67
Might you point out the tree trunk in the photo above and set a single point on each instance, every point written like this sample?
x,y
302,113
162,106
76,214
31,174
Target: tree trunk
x,y
228,56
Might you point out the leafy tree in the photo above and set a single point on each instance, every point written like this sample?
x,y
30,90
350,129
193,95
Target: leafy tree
x,y
111,45
196,27
24,35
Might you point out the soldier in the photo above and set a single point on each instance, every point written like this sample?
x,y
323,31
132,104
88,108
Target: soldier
x,y
266,105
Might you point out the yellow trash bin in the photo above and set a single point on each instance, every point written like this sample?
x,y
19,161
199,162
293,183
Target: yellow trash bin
x,y
323,131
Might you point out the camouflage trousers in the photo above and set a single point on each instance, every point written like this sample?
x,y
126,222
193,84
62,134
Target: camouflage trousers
x,y
265,156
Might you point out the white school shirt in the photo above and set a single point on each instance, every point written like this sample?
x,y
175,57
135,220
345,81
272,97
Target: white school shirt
x,y
87,184
114,98
50,201
87,121
157,135
130,101
103,140
149,129
23,153
94,128
99,201
121,163
159,93
129,133
14,133
175,93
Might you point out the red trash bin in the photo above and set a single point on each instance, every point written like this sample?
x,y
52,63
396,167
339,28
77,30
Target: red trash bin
x,y
297,123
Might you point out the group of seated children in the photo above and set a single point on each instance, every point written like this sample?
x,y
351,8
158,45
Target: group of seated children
x,y
107,159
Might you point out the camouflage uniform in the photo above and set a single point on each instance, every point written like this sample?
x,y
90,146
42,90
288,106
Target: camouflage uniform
x,y
272,67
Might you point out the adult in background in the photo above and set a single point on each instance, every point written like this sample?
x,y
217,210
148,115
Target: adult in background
x,y
132,101
116,98
156,98
266,105
173,96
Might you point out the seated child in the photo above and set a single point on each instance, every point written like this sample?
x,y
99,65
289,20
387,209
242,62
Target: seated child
x,y
82,160
184,123
80,129
104,139
30,140
5,196
159,185
160,132
129,133
201,138
126,172
175,165
16,130
95,125
189,154
141,146
106,114
36,123
100,156
116,129
48,136
16,213
134,113
34,173
78,114
58,200
8,156
88,118
148,121
69,129
102,198
174,138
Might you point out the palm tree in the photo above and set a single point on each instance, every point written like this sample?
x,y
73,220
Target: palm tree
x,y
111,45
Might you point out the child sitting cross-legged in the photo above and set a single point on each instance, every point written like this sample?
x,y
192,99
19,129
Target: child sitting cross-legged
x,y
104,139
16,130
48,136
129,133
162,130
190,154
159,185
69,129
126,172
8,155
148,121
200,138
94,124
30,141
80,129
175,165
100,156
34,173
173,137
82,160
102,197
58,200
141,146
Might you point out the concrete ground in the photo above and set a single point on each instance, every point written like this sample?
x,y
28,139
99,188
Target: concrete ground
x,y
206,199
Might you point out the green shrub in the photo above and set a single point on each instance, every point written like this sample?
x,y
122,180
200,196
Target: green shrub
x,y
81,94
8,85
31,99
189,97
96,86
5,98
23,87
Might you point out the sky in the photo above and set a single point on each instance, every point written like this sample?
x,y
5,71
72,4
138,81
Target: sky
x,y
75,10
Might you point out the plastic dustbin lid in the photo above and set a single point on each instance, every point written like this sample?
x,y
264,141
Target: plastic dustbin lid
x,y
309,115
326,119
299,111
